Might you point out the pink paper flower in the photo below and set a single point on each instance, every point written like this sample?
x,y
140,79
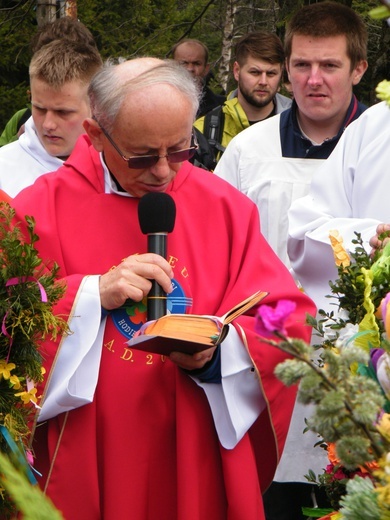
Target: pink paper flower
x,y
29,457
273,319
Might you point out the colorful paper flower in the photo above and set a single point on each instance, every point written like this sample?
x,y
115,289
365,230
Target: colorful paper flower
x,y
26,397
341,256
5,369
331,516
271,320
15,382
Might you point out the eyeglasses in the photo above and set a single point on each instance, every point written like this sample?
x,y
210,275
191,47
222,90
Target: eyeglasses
x,y
147,161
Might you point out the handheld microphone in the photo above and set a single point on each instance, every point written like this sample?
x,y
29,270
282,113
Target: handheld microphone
x,y
156,215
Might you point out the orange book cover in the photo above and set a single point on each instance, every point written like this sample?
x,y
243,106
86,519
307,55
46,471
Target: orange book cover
x,y
189,333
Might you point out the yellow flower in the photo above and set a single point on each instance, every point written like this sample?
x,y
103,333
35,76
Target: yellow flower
x,y
383,426
340,254
382,486
26,397
14,380
383,91
5,369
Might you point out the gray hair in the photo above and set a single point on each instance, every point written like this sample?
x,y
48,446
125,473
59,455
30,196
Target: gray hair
x,y
109,88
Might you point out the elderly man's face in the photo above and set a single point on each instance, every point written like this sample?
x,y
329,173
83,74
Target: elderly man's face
x,y
152,122
192,57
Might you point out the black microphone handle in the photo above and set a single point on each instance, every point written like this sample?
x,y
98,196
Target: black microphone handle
x,y
157,298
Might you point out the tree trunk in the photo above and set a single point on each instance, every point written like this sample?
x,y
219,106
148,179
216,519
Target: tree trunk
x,y
50,10
227,43
46,11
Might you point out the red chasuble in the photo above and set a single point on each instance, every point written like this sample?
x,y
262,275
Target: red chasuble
x,y
4,197
146,448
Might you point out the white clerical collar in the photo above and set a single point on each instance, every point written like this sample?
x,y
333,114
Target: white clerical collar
x,y
109,183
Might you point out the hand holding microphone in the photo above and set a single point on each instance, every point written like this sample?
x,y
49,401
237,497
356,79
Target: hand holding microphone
x,y
131,279
156,215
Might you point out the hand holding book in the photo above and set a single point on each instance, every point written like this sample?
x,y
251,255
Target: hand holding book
x,y
189,333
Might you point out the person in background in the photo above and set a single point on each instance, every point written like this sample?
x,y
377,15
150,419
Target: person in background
x,y
184,437
194,56
63,28
258,69
273,163
60,73
348,194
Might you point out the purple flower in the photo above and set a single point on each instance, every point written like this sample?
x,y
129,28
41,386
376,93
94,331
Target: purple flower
x,y
273,319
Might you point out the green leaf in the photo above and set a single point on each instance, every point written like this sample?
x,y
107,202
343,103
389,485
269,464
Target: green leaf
x,y
316,512
379,12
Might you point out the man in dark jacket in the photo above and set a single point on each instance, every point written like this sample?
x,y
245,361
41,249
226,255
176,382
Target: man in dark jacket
x,y
194,55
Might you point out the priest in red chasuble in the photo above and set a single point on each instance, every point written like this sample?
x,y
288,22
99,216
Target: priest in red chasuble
x,y
129,434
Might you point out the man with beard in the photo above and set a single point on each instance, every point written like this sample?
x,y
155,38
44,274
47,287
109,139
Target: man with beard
x,y
258,70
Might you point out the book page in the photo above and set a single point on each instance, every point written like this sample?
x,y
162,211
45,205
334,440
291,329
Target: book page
x,y
242,307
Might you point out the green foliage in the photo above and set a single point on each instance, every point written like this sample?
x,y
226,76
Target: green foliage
x,y
28,499
28,292
346,404
144,28
17,25
151,27
333,483
349,404
121,29
358,290
360,502
14,96
335,488
347,407
380,12
315,513
25,316
349,288
377,52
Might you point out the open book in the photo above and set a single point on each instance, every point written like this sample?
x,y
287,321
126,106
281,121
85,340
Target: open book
x,y
189,333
